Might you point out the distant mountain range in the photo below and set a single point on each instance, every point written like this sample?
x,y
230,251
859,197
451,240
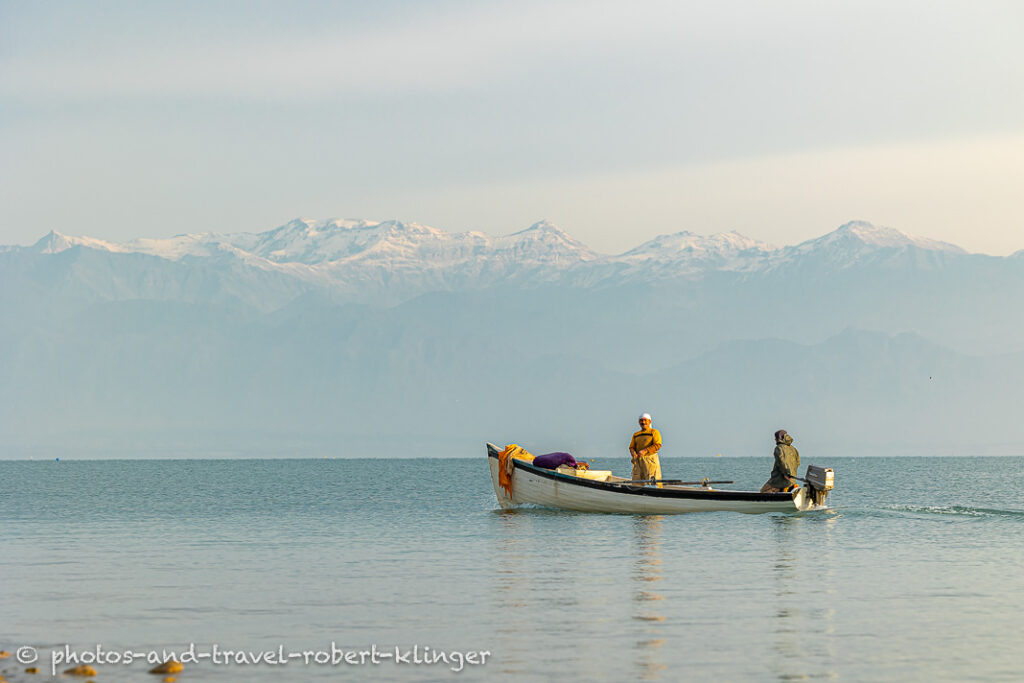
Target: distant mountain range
x,y
391,261
327,336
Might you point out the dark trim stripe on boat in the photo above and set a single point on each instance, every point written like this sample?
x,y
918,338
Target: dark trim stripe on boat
x,y
651,491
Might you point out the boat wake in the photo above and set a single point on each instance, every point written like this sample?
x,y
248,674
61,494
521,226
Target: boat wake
x,y
954,510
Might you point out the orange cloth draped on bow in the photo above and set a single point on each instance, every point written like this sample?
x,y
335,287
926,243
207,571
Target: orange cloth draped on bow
x,y
505,465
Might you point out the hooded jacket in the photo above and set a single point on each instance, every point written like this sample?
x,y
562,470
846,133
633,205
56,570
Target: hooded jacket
x,y
787,462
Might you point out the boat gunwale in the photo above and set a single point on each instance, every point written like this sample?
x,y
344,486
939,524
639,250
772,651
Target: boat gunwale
x,y
651,491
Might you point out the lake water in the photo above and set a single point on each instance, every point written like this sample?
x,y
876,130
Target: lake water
x,y
913,574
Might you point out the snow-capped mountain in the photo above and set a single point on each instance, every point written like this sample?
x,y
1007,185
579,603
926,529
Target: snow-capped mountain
x,y
391,261
319,242
55,242
860,236
687,252
335,241
196,245
859,243
543,243
395,244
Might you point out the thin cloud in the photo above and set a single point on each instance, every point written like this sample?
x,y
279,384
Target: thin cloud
x,y
450,51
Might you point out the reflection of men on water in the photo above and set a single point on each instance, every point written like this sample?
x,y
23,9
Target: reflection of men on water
x,y
644,449
787,462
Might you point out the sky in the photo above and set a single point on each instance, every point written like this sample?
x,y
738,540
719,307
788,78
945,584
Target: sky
x,y
617,121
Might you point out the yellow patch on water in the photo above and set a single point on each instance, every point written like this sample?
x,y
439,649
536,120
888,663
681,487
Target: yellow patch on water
x,y
169,667
81,670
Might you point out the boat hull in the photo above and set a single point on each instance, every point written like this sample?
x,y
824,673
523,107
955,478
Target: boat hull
x,y
547,488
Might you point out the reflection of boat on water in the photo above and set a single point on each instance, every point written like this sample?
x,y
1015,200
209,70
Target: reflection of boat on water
x,y
600,491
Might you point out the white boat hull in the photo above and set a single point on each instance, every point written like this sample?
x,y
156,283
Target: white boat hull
x,y
535,486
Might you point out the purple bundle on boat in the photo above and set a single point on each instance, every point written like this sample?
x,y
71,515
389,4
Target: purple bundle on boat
x,y
550,461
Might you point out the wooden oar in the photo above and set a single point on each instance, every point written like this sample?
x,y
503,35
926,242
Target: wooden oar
x,y
678,482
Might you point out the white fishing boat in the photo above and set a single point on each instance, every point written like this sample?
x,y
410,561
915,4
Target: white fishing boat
x,y
587,490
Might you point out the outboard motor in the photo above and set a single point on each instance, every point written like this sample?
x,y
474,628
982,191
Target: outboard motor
x,y
820,480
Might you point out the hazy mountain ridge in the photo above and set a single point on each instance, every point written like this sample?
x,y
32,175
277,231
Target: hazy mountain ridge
x,y
325,334
185,377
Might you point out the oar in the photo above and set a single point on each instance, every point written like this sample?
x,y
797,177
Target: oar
x,y
678,482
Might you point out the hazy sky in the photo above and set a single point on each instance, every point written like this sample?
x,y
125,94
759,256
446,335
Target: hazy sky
x,y
616,120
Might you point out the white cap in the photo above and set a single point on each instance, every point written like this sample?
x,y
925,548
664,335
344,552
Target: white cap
x,y
645,416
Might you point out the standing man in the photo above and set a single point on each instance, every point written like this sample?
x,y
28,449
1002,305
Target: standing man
x,y
643,448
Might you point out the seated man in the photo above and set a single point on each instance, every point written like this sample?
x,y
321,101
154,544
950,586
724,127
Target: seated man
x,y
643,449
787,462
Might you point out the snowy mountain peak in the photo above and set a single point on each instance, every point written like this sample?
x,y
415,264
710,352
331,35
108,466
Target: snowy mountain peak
x,y
546,235
861,235
400,228
52,243
545,226
689,243
541,230
55,242
302,240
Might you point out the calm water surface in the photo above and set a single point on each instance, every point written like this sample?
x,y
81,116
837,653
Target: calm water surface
x,y
914,574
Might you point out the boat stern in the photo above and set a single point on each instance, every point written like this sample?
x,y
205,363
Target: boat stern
x,y
813,494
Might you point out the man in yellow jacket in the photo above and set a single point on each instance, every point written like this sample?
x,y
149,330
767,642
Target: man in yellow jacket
x,y
644,449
